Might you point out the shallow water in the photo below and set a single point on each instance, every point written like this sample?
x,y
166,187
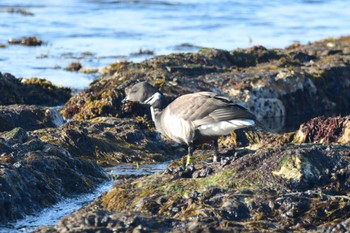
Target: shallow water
x,y
99,32
144,169
51,215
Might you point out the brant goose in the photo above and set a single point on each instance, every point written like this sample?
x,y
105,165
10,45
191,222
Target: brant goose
x,y
193,118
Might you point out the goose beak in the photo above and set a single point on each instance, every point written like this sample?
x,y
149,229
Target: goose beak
x,y
125,99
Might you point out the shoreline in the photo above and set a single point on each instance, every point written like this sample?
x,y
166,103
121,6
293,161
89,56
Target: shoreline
x,y
244,192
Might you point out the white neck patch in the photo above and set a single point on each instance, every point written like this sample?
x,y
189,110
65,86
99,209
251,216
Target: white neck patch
x,y
151,100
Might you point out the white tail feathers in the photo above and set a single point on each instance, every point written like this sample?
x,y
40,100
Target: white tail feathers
x,y
224,127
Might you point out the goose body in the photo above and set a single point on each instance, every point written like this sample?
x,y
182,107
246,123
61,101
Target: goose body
x,y
192,118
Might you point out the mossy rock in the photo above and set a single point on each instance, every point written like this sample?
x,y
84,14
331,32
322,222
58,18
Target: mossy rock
x,y
35,174
295,81
28,117
31,91
303,169
110,140
209,189
324,130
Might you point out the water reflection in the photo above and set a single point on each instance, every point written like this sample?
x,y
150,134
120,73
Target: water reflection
x,y
130,169
286,124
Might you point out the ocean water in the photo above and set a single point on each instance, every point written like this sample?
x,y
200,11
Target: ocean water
x,y
99,32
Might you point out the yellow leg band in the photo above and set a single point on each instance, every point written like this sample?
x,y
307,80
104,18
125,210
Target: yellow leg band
x,y
189,160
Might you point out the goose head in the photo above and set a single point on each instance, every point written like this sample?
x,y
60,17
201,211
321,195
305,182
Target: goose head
x,y
144,93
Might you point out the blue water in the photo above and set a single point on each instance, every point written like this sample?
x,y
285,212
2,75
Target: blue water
x,y
112,30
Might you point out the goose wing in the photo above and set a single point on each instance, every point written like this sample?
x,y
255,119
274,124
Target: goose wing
x,y
206,108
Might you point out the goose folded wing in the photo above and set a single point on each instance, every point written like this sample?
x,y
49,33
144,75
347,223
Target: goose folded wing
x,y
191,107
232,112
206,107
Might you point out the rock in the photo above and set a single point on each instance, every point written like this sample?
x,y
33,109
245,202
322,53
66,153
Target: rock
x,y
17,135
27,41
324,130
19,11
74,66
254,192
35,174
297,181
110,140
31,91
342,227
296,81
28,117
107,221
303,169
345,138
143,52
252,176
88,70
101,99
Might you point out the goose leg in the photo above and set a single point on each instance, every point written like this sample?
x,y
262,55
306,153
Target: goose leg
x,y
189,155
216,153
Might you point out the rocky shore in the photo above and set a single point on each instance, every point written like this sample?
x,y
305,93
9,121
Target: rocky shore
x,y
293,175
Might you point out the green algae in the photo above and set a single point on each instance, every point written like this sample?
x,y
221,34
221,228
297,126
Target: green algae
x,y
109,140
295,167
224,179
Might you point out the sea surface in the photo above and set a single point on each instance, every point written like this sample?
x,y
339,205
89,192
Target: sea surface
x,y
99,32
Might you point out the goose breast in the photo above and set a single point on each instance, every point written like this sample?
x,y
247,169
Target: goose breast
x,y
177,128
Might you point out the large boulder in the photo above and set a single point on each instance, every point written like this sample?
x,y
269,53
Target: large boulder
x,y
33,91
110,140
28,117
324,130
35,174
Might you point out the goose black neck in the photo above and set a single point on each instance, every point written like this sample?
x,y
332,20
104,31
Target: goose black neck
x,y
159,102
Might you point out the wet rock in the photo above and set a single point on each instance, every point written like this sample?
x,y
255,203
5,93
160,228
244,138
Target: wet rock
x,y
324,130
280,185
277,184
27,41
107,221
302,57
28,117
101,99
17,135
31,91
342,227
283,187
74,66
143,52
295,81
110,140
19,11
289,187
88,70
35,174
187,46
304,169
